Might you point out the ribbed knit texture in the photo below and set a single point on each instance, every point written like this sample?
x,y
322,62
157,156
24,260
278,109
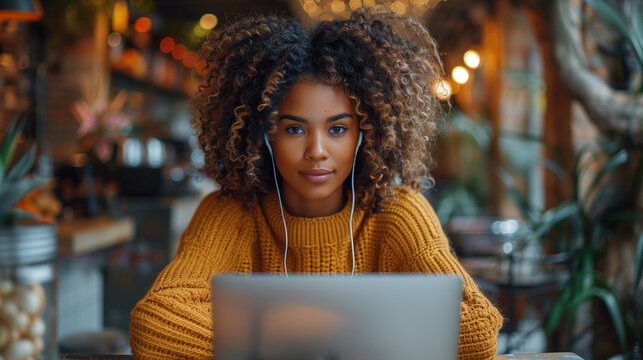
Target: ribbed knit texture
x,y
174,320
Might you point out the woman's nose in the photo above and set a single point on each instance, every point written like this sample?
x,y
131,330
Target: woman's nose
x,y
316,147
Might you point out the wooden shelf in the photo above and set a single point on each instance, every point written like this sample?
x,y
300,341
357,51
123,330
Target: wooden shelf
x,y
81,236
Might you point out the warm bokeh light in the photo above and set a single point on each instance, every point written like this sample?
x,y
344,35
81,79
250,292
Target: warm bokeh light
x,y
460,75
114,39
471,59
368,3
190,59
120,16
179,52
208,21
199,30
167,44
442,89
143,24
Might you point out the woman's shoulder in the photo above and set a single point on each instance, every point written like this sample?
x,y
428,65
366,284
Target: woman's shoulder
x,y
228,207
407,198
410,211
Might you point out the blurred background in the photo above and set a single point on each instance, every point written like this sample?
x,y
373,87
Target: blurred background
x,y
538,180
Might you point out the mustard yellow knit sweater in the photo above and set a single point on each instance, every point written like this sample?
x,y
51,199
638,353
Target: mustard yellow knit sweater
x,y
174,319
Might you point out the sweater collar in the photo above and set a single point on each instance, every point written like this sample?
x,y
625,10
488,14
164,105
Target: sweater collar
x,y
311,232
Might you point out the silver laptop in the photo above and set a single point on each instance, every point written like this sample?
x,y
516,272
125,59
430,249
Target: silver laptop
x,y
320,317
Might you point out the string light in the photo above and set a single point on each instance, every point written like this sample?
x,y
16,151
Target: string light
x,y
114,39
460,75
208,21
471,59
179,52
143,24
442,89
190,59
199,31
120,16
167,44
315,10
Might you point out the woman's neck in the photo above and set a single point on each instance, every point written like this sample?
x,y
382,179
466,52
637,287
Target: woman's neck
x,y
296,205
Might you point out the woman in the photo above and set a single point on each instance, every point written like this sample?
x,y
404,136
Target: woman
x,y
285,117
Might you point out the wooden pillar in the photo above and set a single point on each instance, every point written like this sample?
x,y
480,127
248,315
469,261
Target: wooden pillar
x,y
557,130
493,70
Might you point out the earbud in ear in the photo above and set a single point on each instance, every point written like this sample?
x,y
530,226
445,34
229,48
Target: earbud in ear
x,y
359,139
267,141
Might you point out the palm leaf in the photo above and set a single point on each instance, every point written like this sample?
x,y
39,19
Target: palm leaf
x,y
614,18
554,217
614,162
613,308
8,144
636,34
22,167
12,193
558,311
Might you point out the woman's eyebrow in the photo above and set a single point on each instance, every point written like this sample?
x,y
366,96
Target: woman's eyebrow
x,y
302,120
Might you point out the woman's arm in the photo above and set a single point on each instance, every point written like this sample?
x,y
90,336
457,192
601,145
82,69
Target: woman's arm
x,y
418,238
480,321
174,319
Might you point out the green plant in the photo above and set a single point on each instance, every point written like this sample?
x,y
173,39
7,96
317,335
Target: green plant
x,y
583,227
629,23
14,184
466,189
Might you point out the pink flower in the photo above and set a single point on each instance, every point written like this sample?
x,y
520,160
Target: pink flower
x,y
100,124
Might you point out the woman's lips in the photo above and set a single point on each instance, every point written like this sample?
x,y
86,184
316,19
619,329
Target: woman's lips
x,y
317,176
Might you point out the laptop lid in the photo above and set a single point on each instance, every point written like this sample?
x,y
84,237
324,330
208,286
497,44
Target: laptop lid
x,y
320,317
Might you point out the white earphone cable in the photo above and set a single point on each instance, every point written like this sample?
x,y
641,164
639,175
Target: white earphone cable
x,y
350,222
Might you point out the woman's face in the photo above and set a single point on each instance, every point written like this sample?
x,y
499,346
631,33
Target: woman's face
x,y
314,146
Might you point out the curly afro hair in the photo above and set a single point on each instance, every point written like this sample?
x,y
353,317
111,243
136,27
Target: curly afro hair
x,y
387,64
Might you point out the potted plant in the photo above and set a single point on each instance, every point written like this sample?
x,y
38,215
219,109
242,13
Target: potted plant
x,y
27,251
583,228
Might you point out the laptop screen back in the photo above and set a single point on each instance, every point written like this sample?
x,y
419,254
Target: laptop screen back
x,y
319,317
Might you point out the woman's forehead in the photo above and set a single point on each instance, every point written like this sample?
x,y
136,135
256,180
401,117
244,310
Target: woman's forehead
x,y
308,97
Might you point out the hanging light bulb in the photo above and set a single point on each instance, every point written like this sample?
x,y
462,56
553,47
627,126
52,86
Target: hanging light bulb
x,y
460,75
208,21
442,89
120,16
471,58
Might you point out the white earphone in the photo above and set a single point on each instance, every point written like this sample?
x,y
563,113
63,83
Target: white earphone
x,y
283,218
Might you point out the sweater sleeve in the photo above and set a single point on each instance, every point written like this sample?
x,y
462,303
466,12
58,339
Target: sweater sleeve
x,y
419,240
174,319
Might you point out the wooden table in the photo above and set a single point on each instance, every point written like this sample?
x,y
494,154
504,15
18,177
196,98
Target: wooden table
x,y
535,356
84,235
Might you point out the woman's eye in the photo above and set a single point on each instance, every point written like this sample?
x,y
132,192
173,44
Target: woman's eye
x,y
294,130
337,130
